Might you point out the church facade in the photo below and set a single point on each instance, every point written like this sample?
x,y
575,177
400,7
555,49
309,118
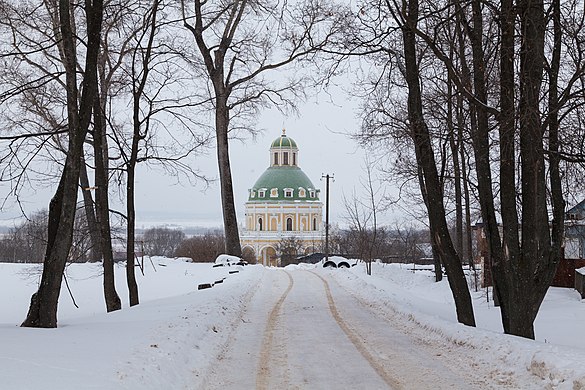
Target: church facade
x,y
283,208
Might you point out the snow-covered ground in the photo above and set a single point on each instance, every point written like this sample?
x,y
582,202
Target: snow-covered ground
x,y
174,336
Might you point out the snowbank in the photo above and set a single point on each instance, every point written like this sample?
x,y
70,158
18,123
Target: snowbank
x,y
162,343
396,288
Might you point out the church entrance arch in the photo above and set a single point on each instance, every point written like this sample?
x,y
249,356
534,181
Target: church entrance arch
x,y
269,257
249,255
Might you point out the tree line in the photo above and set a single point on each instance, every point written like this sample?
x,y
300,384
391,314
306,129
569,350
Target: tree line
x,y
26,243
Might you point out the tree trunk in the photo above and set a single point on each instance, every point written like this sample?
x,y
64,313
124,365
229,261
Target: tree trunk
x,y
43,307
130,208
557,199
232,237
434,250
466,80
481,149
456,173
214,59
523,273
42,312
425,159
436,261
130,240
535,249
102,204
94,253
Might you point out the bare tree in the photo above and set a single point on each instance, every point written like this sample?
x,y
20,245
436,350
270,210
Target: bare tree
x,y
430,185
35,96
408,241
237,42
532,245
35,51
26,242
161,241
362,215
288,249
140,70
102,208
43,308
35,56
202,249
153,77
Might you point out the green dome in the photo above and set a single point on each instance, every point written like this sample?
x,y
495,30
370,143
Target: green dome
x,y
283,142
290,182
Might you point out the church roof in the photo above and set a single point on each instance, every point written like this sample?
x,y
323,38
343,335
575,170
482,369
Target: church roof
x,y
283,141
283,179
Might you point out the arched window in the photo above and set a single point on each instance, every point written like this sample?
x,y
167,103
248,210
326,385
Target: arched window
x,y
275,158
260,224
289,224
295,159
285,158
314,223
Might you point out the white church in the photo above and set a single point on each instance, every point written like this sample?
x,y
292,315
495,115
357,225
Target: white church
x,y
282,204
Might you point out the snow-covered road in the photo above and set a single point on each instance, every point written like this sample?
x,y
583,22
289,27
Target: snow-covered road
x,y
302,327
302,330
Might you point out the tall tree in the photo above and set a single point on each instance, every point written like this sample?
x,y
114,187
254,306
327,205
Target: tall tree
x,y
140,70
236,41
363,212
100,147
161,100
523,278
425,159
42,103
43,307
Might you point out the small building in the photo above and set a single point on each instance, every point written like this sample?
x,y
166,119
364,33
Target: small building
x,y
572,258
575,232
574,249
283,206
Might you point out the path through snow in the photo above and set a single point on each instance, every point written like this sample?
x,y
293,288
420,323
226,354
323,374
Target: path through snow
x,y
302,330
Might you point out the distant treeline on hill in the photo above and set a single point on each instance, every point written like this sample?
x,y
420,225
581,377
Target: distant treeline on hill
x,y
26,243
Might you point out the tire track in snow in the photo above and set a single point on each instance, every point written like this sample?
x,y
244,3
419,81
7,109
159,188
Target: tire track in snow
x,y
211,371
263,372
392,382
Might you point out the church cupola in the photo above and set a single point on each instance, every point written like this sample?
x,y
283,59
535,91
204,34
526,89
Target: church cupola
x,y
282,204
284,152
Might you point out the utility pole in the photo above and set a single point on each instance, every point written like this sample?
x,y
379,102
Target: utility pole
x,y
327,177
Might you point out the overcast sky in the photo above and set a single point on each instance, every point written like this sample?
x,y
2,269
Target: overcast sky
x,y
320,131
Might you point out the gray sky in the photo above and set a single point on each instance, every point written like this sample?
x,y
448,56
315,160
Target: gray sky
x,y
320,132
